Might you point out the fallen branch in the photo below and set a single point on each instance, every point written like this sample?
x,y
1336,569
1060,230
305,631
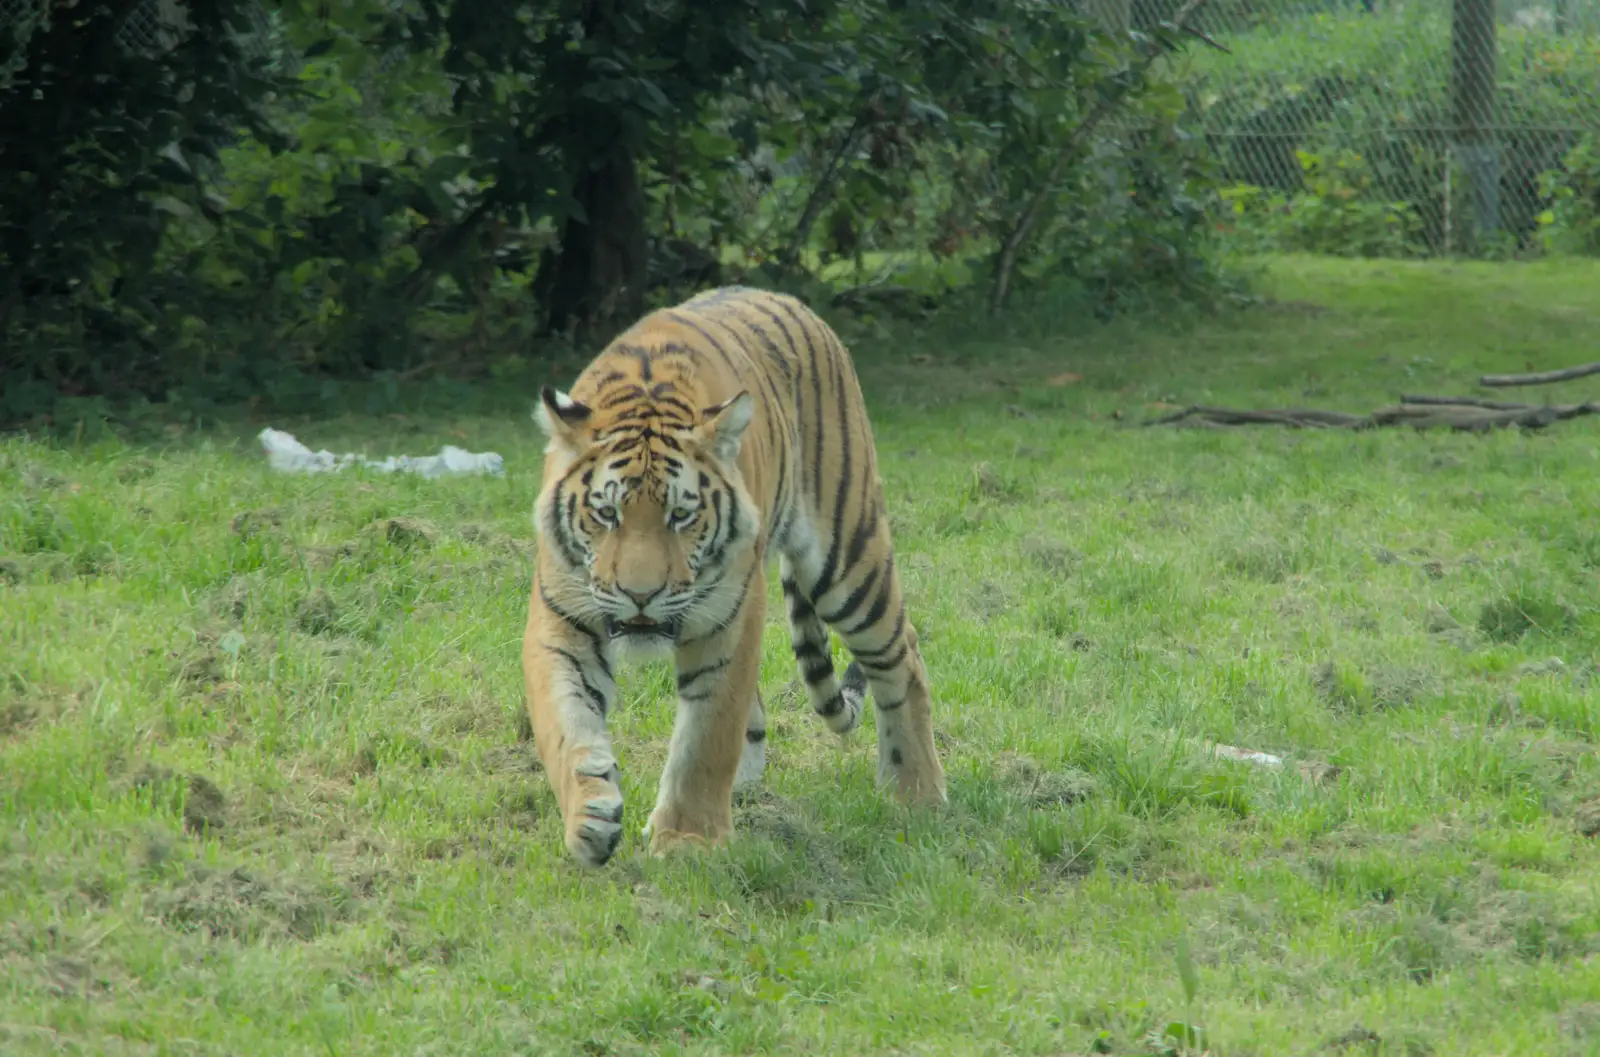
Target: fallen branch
x,y
1470,418
1294,417
1463,401
1566,374
1475,419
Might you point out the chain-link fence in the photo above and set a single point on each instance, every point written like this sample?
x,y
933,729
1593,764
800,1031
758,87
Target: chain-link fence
x,y
1457,124
153,26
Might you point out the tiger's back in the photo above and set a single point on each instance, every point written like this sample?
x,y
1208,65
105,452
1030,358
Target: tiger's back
x,y
760,378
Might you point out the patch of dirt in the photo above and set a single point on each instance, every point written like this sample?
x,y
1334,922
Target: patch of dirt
x,y
251,524
1545,666
239,597
1439,620
1319,773
1586,817
1037,786
516,759
489,538
1381,688
17,714
1581,1021
316,612
363,865
41,567
201,664
405,532
1565,757
1508,619
1261,559
399,749
987,482
205,808
246,905
75,977
137,468
988,600
1357,1036
327,557
813,865
1291,307
1051,556
1396,687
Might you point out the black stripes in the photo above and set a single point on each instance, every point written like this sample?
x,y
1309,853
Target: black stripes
x,y
799,605
848,608
855,680
596,643
808,650
832,706
593,697
689,682
880,606
889,663
889,644
816,669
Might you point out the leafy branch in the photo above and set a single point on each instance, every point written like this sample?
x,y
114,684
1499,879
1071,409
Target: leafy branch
x,y
1151,49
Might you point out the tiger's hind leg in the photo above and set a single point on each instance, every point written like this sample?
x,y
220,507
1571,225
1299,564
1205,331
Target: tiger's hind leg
x,y
753,760
867,610
839,705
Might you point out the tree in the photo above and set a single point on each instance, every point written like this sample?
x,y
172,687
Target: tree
x,y
102,139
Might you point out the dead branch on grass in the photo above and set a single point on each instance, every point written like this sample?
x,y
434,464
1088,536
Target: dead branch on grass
x,y
1420,413
1566,374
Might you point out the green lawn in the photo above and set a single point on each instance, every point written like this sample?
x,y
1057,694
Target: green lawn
x,y
262,789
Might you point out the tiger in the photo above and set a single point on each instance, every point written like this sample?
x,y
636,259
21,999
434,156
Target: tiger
x,y
702,440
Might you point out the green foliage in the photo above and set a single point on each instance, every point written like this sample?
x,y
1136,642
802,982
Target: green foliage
x,y
103,141
1572,223
464,180
1337,212
1370,96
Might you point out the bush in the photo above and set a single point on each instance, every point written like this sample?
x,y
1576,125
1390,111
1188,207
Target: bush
x,y
1367,98
464,187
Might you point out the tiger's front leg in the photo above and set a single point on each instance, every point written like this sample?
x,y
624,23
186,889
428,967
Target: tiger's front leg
x,y
568,677
717,679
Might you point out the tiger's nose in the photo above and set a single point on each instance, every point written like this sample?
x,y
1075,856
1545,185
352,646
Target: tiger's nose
x,y
641,599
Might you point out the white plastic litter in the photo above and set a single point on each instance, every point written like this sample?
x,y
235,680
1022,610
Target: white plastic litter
x,y
287,455
1233,752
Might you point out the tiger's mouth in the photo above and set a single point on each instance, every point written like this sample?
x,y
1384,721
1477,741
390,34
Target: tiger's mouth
x,y
642,627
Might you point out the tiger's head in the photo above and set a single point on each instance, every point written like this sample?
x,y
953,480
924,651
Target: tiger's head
x,y
644,507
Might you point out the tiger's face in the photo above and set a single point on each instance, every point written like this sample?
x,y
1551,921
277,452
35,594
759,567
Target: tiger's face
x,y
648,510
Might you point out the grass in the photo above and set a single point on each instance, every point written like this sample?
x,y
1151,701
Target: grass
x,y
262,788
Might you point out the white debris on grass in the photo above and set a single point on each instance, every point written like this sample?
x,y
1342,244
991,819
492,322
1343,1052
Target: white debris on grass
x,y
287,455
1231,752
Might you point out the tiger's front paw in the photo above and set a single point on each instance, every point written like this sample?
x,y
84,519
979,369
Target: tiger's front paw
x,y
595,827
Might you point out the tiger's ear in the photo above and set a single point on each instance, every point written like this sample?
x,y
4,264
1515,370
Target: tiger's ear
x,y
560,416
722,427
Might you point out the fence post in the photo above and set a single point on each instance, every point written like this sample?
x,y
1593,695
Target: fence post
x,y
1472,67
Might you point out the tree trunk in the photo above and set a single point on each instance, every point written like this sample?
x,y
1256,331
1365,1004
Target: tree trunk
x,y
597,282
